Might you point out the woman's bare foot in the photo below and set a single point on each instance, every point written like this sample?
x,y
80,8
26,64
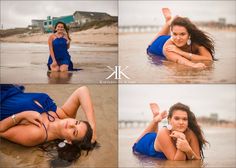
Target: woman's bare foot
x,y
155,109
160,116
167,14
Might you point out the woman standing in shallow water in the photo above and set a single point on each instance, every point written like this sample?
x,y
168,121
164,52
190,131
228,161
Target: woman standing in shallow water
x,y
31,119
180,41
183,140
59,43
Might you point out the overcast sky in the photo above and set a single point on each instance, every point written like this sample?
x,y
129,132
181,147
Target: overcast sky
x,y
20,13
203,99
149,12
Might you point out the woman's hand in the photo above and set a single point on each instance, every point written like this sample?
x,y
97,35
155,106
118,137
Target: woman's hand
x,y
183,145
199,65
54,63
177,134
94,137
33,117
173,48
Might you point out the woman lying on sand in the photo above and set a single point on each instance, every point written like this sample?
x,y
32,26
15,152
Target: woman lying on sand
x,y
181,140
180,41
31,119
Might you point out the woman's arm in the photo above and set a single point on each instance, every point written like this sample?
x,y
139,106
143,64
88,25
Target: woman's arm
x,y
50,39
173,56
27,135
204,54
31,116
80,97
164,143
194,152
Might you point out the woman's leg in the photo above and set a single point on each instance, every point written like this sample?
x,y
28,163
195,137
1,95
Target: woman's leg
x,y
54,68
165,30
153,125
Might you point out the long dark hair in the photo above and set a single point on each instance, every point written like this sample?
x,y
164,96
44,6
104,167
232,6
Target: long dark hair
x,y
192,124
197,36
71,152
65,27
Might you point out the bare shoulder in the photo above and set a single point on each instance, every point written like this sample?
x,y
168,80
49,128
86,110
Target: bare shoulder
x,y
163,132
51,37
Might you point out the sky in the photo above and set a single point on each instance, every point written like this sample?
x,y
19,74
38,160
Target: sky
x,y
20,13
149,12
202,99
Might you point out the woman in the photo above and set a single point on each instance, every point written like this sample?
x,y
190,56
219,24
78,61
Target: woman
x,y
186,45
59,43
31,119
182,140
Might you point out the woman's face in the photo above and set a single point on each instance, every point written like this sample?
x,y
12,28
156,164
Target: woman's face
x,y
179,121
60,27
72,129
179,35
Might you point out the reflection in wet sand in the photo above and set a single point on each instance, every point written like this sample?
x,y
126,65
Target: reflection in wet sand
x,y
59,77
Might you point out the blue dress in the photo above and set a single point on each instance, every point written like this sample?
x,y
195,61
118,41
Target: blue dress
x,y
14,100
145,146
61,53
156,48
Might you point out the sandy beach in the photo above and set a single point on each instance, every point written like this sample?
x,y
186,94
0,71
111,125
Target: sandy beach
x,y
105,105
91,50
103,36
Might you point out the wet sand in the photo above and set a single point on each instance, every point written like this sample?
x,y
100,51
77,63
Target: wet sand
x,y
145,69
221,152
27,63
105,105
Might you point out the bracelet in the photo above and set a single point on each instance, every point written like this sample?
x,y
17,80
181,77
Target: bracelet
x,y
190,56
14,118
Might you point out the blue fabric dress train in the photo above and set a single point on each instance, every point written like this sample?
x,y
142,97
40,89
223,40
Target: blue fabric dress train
x,y
145,146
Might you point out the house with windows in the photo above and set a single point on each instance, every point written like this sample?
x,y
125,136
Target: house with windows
x,y
82,17
78,19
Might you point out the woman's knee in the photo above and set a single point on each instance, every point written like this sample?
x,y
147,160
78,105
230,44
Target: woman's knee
x,y
63,68
54,68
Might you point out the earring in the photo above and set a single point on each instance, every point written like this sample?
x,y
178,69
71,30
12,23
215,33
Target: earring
x,y
169,127
171,39
62,144
189,41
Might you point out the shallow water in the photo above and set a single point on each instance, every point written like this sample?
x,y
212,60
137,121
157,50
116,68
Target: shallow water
x,y
221,152
27,63
145,69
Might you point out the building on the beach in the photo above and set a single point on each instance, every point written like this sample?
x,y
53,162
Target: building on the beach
x,y
82,17
37,25
77,20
